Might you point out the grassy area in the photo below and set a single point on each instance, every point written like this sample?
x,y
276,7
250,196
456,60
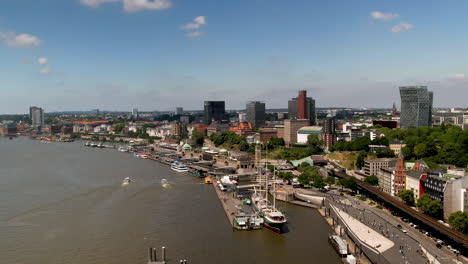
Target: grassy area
x,y
346,159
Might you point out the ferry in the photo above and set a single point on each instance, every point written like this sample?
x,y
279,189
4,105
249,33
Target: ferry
x,y
339,245
179,166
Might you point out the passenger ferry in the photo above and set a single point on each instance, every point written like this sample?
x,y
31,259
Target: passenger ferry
x,y
339,245
179,166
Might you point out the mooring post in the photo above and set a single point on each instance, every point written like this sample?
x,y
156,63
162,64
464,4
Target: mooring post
x,y
154,255
150,254
163,253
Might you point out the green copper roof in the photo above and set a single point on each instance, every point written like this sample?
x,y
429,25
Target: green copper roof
x,y
296,163
223,151
186,146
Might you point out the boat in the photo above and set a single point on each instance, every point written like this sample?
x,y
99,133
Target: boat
x,y
312,199
339,245
208,180
179,166
136,154
100,145
122,149
143,156
87,143
93,144
126,181
273,218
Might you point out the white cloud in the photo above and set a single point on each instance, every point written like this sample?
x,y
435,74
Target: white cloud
x,y
199,21
194,34
132,5
12,39
45,70
42,60
383,16
456,76
402,27
137,5
96,3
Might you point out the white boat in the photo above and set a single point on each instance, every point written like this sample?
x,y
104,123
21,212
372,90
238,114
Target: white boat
x,y
126,181
122,149
179,166
136,154
143,156
93,144
87,143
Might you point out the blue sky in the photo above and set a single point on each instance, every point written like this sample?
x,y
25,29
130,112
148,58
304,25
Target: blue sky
x,y
156,55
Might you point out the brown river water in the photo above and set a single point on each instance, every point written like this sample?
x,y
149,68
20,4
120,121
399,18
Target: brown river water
x,y
64,203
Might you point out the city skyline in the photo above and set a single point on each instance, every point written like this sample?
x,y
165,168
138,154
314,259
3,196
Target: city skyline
x,y
120,54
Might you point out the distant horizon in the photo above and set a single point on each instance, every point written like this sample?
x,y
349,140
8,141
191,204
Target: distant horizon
x,y
115,54
201,110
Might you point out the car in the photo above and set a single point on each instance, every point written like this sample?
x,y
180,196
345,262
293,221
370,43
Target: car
x,y
404,231
399,226
438,241
439,245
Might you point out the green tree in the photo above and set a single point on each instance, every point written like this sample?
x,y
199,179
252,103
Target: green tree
x,y
352,184
407,196
198,137
423,202
118,128
314,144
330,180
459,221
286,175
372,180
360,161
420,150
305,178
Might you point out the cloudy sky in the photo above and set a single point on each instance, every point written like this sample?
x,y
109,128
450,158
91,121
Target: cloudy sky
x,y
159,54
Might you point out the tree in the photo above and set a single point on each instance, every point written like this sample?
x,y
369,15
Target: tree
x,y
372,180
430,207
352,184
118,128
286,175
407,196
459,220
198,137
330,180
420,150
342,183
314,144
360,161
423,202
304,178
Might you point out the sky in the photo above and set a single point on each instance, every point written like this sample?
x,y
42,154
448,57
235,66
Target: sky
x,y
161,54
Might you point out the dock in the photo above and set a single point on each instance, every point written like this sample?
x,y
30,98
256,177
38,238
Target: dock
x,y
233,207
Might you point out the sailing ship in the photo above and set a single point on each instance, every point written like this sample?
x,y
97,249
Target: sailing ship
x,y
273,218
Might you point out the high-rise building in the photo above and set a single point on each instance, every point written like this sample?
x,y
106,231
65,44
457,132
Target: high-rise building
x,y
255,113
329,132
179,111
291,126
135,112
302,107
416,106
36,115
214,111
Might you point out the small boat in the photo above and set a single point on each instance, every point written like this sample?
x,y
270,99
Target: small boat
x,y
87,143
122,149
179,166
100,145
136,154
93,145
208,180
126,181
143,156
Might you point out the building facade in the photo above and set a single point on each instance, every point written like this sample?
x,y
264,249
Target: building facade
x,y
302,107
399,178
179,111
416,106
214,111
385,177
372,167
455,196
37,118
304,132
291,126
255,113
329,132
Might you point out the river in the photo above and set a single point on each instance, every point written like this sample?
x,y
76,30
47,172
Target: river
x,y
64,203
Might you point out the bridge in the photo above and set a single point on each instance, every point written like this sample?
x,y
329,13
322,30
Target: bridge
x,y
395,202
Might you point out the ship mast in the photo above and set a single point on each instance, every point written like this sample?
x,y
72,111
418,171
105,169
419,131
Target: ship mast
x,y
274,187
266,175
